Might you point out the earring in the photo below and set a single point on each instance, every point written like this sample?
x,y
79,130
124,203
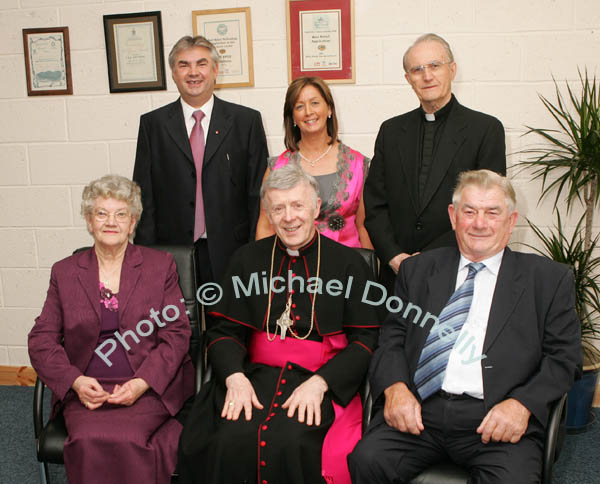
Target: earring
x,y
329,117
294,124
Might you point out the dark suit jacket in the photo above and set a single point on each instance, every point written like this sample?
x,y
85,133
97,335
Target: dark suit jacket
x,y
235,159
532,343
395,219
65,334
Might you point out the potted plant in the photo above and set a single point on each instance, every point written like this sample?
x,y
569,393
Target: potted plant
x,y
568,163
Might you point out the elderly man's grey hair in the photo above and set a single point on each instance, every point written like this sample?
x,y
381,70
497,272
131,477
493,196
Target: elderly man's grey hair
x,y
287,177
188,42
426,38
485,179
113,186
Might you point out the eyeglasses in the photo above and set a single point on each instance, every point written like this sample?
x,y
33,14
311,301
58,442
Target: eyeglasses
x,y
121,216
432,66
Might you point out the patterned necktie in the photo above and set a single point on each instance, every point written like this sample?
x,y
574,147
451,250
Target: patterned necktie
x,y
197,144
436,352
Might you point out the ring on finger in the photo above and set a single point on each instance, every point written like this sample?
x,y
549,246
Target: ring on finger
x,y
231,403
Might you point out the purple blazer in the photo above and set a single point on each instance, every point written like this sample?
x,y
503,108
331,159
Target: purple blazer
x,y
66,333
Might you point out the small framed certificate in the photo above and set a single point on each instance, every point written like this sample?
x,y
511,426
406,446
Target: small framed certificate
x,y
134,52
47,61
321,39
230,31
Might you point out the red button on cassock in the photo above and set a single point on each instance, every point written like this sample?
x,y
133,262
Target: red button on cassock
x,y
264,481
289,367
264,427
283,381
276,405
297,318
272,415
293,305
263,443
279,394
263,463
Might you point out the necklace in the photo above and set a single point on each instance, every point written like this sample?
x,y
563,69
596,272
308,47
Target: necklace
x,y
285,322
317,159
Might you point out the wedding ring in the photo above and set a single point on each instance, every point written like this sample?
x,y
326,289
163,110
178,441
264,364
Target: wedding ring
x,y
231,404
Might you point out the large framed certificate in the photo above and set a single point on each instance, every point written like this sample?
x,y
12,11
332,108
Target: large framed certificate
x,y
134,52
47,61
230,31
321,39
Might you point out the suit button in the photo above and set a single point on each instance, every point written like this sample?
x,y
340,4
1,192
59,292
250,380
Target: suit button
x,y
419,226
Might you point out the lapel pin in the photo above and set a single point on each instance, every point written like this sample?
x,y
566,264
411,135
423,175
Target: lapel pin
x,y
217,131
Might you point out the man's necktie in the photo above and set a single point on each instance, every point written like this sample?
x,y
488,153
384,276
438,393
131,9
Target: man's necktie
x,y
436,352
197,144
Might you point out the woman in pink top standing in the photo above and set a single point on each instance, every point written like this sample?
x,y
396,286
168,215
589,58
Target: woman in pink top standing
x,y
311,130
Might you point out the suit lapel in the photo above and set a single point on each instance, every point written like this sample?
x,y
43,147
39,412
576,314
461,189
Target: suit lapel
x,y
130,274
88,278
220,124
408,154
175,126
509,289
440,287
452,138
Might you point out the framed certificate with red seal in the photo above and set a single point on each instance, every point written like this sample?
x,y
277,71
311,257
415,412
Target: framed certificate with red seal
x,y
320,36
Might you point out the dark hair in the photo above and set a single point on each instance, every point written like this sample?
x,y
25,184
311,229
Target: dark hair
x,y
292,133
188,42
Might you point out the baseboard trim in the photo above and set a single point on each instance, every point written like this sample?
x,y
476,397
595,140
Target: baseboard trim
x,y
17,375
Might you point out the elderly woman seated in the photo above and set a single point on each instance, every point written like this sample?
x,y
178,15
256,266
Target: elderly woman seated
x,y
111,343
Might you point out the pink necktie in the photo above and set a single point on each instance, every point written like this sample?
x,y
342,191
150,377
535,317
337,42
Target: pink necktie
x,y
197,144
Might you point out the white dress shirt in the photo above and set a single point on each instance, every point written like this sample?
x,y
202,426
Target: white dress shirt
x,y
190,121
463,373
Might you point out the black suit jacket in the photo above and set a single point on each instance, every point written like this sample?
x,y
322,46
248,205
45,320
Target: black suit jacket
x,y
235,159
395,219
532,343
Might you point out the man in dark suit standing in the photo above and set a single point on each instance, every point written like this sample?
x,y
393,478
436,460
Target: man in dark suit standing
x,y
418,156
473,384
200,162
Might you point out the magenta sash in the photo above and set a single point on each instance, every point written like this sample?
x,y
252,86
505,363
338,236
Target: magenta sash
x,y
345,431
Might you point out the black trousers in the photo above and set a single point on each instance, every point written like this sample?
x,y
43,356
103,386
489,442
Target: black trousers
x,y
386,455
205,276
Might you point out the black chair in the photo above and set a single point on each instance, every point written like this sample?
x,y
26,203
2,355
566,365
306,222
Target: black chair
x,y
50,438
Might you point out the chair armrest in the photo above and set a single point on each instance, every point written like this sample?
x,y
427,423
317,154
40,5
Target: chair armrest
x,y
38,407
367,404
554,437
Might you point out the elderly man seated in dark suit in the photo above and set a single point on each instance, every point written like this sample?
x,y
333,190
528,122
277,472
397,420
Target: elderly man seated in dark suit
x,y
474,383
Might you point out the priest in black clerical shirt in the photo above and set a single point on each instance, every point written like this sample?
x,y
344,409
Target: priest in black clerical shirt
x,y
418,157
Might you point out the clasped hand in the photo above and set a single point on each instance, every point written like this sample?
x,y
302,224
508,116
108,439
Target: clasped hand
x,y
306,398
92,395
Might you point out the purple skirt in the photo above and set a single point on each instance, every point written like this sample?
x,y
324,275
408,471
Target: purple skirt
x,y
118,444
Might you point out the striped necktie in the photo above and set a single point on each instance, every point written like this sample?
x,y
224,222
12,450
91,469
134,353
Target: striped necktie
x,y
438,346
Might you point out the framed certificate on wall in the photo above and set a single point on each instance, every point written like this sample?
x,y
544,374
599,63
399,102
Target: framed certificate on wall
x,y
134,52
47,61
320,35
230,31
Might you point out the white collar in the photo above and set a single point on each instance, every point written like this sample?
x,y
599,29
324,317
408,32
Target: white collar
x,y
206,108
491,263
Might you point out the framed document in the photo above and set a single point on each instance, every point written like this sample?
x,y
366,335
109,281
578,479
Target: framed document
x,y
134,52
47,61
230,31
321,39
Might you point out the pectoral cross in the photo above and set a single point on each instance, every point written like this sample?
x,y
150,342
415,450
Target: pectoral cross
x,y
285,321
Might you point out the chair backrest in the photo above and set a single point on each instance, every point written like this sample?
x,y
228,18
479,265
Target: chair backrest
x,y
369,256
185,260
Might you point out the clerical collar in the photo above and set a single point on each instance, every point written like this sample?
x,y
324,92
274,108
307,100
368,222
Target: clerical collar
x,y
440,113
310,245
